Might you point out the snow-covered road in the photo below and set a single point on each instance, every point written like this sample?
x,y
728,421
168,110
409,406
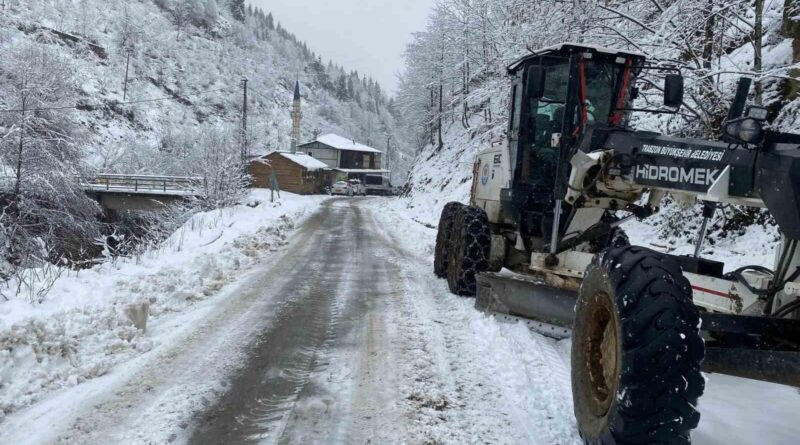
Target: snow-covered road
x,y
345,336
366,348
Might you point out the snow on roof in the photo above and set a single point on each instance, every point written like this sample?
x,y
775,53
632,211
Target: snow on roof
x,y
308,162
357,170
561,46
342,143
598,48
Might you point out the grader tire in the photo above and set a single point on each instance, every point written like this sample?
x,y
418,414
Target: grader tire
x,y
469,250
636,351
443,236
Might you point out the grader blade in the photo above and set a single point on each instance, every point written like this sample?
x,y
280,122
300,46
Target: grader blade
x,y
547,310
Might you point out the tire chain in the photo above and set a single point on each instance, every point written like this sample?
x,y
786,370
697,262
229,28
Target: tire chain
x,y
469,249
443,236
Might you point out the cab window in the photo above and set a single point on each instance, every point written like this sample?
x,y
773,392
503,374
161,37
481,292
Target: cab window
x,y
545,116
601,80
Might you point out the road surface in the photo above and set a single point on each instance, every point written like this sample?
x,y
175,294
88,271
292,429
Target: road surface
x,y
344,337
355,356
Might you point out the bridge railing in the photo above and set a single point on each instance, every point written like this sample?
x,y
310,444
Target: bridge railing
x,y
170,185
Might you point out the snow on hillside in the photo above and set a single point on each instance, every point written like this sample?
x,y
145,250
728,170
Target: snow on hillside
x,y
82,329
197,54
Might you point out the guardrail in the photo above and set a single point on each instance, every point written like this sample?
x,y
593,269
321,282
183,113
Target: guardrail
x,y
169,185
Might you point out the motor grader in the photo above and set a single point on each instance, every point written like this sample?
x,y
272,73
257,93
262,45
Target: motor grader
x,y
541,241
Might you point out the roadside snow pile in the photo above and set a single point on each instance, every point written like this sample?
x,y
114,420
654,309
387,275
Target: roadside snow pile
x,y
82,329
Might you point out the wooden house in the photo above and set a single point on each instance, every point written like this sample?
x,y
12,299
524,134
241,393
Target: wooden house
x,y
296,172
348,158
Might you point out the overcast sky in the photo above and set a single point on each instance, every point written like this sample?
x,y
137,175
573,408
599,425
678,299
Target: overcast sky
x,y
365,35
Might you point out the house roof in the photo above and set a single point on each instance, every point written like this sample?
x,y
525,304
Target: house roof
x,y
302,159
342,143
358,170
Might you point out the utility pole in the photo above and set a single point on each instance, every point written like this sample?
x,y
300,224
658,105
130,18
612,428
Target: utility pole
x,y
244,120
758,37
17,185
125,88
388,147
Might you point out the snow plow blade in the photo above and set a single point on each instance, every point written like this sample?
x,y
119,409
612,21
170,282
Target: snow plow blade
x,y
548,310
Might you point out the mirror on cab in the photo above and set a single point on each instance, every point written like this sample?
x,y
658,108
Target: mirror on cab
x,y
673,90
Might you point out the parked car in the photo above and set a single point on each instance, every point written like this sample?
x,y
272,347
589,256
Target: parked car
x,y
358,187
342,188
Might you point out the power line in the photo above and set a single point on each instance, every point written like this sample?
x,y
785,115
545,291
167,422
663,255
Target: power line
x,y
132,102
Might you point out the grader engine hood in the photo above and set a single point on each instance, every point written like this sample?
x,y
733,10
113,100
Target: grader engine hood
x,y
768,176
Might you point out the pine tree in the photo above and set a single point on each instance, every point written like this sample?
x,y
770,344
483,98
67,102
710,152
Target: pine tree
x,y
237,9
341,88
351,88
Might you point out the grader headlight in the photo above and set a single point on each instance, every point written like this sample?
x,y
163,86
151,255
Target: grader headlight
x,y
747,130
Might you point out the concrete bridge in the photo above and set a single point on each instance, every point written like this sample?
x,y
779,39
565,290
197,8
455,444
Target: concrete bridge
x,y
142,192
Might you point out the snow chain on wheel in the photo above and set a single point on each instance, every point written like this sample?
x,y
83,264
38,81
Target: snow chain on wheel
x,y
636,351
469,250
443,236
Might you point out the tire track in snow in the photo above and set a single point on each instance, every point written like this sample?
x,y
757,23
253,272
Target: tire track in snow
x,y
501,369
263,396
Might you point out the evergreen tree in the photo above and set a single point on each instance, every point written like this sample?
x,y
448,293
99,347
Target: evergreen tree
x,y
237,9
341,88
351,88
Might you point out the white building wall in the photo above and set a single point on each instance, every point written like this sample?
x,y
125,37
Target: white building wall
x,y
328,156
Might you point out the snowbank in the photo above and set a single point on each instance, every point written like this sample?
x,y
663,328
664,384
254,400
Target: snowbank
x,y
81,330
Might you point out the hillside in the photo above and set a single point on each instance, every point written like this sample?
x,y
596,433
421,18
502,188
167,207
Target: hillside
x,y
195,52
456,92
180,112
